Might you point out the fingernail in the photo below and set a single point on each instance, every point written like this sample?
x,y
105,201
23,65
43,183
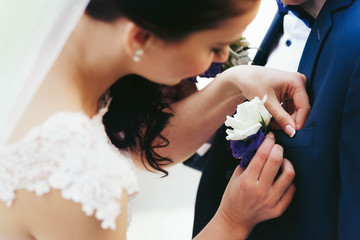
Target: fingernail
x,y
271,135
290,131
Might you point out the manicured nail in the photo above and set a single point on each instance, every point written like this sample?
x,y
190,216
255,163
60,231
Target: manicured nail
x,y
271,135
290,131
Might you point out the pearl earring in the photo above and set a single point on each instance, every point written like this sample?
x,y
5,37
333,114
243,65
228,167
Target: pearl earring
x,y
137,55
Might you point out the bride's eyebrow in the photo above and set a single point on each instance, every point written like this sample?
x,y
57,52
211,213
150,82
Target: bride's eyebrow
x,y
228,42
222,44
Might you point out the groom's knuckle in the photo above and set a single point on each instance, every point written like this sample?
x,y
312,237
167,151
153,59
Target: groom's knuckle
x,y
277,211
289,174
262,155
276,160
269,202
276,155
260,193
279,149
245,184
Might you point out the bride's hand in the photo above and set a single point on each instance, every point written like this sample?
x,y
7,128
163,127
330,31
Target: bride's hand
x,y
287,100
254,195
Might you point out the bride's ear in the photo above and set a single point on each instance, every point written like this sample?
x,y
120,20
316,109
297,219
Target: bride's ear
x,y
136,39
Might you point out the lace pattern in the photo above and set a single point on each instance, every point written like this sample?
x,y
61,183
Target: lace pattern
x,y
70,152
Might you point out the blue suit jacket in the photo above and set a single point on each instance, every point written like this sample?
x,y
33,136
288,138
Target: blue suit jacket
x,y
326,152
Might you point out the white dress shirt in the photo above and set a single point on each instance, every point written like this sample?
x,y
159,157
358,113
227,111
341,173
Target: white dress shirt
x,y
287,53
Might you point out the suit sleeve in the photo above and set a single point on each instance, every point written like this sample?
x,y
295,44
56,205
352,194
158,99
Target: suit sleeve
x,y
197,161
349,157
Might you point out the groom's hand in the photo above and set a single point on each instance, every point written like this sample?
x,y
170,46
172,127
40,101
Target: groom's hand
x,y
257,194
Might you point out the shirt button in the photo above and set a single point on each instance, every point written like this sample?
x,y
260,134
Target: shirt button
x,y
288,43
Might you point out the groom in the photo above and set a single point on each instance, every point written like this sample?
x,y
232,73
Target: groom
x,y
326,151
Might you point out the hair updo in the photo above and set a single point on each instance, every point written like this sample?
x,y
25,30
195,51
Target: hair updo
x,y
139,111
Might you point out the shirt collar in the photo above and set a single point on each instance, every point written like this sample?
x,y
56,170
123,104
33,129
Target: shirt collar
x,y
297,11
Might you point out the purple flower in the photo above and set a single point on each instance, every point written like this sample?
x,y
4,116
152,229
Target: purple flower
x,y
250,124
214,69
246,149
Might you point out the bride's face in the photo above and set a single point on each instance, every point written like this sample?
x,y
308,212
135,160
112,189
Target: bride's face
x,y
294,2
169,63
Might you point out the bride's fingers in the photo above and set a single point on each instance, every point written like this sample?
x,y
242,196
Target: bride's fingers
x,y
285,179
298,119
290,109
301,104
257,163
301,116
299,113
280,115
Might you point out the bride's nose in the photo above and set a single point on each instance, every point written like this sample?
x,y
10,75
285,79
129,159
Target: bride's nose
x,y
222,56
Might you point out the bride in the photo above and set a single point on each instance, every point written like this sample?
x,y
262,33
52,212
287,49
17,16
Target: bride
x,y
83,103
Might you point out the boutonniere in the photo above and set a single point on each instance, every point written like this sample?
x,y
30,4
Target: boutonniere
x,y
249,126
238,55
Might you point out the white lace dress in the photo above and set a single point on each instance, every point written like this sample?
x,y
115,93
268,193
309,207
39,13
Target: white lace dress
x,y
70,152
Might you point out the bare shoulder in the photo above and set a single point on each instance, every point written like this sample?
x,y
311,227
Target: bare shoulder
x,y
52,217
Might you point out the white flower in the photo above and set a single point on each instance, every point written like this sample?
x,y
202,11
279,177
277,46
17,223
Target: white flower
x,y
240,59
238,54
248,119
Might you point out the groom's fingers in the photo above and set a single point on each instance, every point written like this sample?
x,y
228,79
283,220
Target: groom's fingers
x,y
285,200
272,166
285,179
237,172
257,163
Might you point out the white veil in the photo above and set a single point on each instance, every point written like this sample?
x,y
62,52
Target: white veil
x,y
32,33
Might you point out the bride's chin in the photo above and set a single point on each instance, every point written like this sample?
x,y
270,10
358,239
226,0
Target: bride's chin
x,y
175,82
171,82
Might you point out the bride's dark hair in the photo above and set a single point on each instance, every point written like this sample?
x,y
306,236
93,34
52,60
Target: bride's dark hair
x,y
136,116
138,111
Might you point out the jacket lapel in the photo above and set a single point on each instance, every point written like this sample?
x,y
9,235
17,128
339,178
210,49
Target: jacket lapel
x,y
317,37
274,31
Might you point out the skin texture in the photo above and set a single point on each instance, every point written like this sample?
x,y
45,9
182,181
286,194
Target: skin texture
x,y
89,64
257,182
30,218
313,7
187,131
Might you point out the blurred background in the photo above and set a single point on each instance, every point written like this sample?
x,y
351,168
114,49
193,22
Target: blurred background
x,y
164,208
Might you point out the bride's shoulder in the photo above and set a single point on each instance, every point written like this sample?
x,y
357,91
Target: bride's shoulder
x,y
70,152
64,132
53,217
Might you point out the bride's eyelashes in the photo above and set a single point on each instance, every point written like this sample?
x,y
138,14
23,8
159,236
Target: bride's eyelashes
x,y
219,51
